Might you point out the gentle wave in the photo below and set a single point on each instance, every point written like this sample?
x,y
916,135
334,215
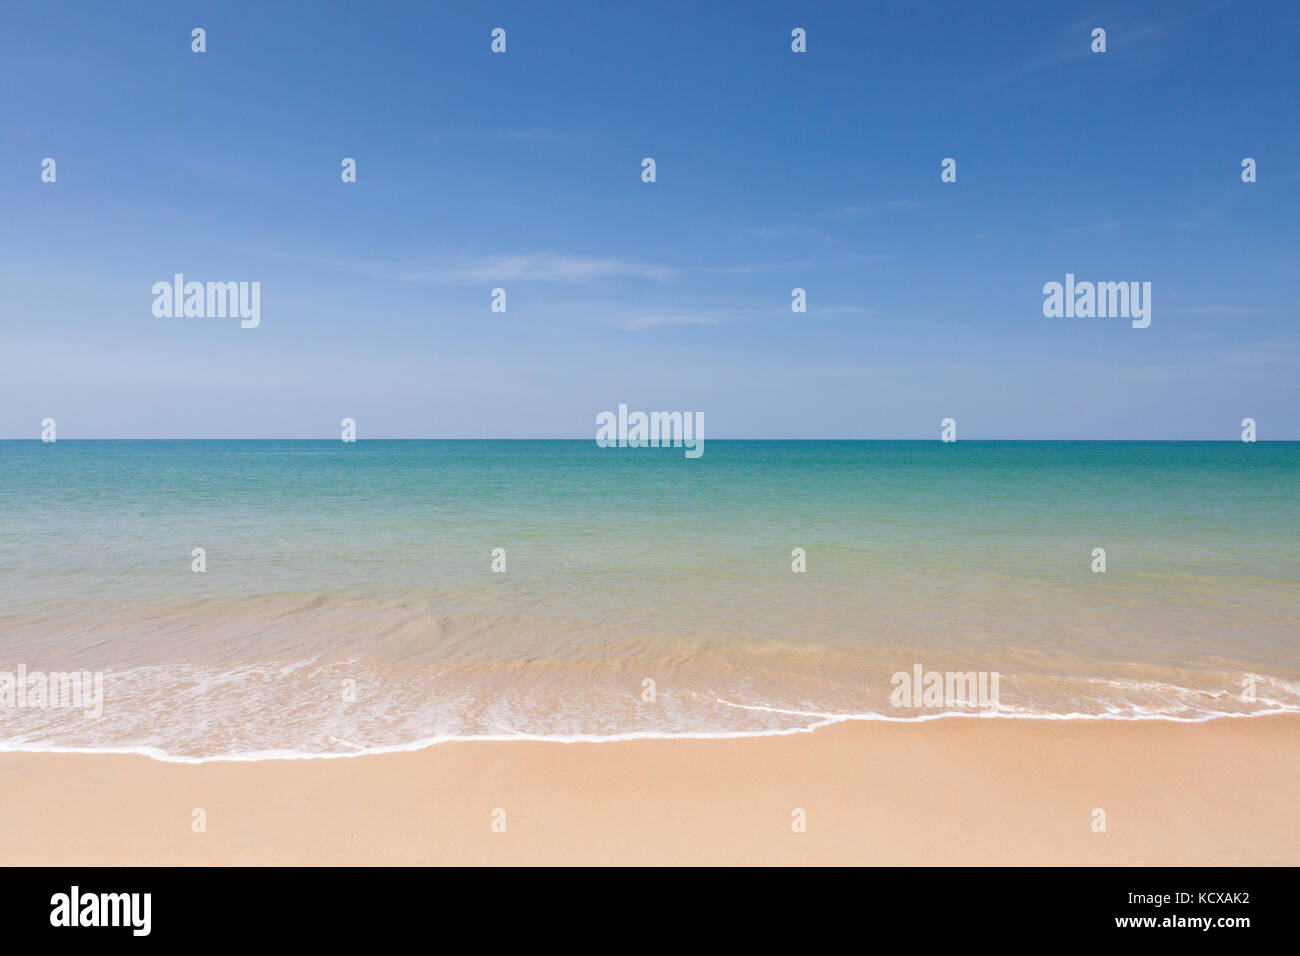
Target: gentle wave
x,y
165,757
283,711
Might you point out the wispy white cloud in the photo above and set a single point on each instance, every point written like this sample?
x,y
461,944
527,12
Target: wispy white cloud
x,y
1073,44
533,266
1264,358
841,310
849,210
1217,310
1283,350
533,135
551,267
792,232
547,267
666,318
1208,212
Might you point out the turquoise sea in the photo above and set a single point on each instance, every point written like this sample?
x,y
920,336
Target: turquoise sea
x,y
349,601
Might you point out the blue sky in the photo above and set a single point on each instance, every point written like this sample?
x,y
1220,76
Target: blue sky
x,y
775,170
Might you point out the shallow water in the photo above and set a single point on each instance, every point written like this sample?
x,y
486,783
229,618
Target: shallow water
x,y
349,602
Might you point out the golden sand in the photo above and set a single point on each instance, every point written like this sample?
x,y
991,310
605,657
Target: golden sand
x,y
961,791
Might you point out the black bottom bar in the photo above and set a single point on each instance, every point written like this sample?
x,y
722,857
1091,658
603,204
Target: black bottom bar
x,y
941,907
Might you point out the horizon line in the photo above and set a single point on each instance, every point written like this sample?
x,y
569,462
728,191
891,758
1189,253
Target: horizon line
x,y
1272,441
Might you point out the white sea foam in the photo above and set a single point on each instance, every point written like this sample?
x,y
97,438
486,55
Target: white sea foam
x,y
196,737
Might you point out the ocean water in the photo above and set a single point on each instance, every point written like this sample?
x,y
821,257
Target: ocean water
x,y
349,602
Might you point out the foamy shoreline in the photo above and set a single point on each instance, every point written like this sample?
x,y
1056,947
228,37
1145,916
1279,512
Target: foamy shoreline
x,y
416,745
824,720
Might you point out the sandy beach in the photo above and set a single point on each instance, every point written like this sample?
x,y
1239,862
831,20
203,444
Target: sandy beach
x,y
957,791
